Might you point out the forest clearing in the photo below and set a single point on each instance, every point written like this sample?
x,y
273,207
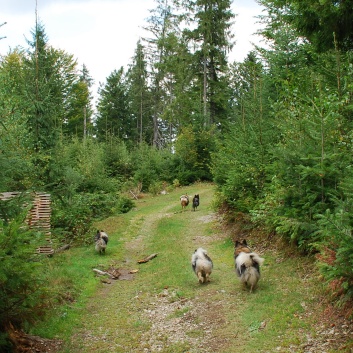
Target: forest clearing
x,y
159,305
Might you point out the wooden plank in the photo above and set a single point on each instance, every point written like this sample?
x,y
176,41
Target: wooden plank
x,y
40,214
48,250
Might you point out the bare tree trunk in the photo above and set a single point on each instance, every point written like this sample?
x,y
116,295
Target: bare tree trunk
x,y
205,90
84,122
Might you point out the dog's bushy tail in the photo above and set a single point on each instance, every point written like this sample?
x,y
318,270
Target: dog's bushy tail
x,y
256,259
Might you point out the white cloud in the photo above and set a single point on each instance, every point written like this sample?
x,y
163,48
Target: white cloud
x,y
102,34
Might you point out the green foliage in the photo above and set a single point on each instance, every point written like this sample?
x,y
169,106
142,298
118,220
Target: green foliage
x,y
72,218
212,36
193,148
243,154
152,165
139,95
23,293
113,116
325,23
288,151
117,159
334,240
123,205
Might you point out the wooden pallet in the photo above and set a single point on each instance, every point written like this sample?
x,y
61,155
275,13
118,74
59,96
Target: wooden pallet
x,y
46,250
38,217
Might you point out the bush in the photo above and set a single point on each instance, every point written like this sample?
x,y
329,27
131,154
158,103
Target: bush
x,y
72,219
335,242
124,205
23,296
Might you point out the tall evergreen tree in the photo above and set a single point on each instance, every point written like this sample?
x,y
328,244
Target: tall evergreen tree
x,y
327,24
161,24
78,120
87,80
43,120
113,116
15,161
212,37
139,95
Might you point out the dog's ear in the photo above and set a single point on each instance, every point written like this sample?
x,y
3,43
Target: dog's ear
x,y
245,243
237,243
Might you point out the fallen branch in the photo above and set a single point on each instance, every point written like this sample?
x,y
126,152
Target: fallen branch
x,y
135,197
112,273
148,258
63,248
103,273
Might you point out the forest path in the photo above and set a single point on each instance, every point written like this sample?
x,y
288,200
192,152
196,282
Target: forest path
x,y
163,308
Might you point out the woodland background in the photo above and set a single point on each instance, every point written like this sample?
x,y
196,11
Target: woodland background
x,y
273,132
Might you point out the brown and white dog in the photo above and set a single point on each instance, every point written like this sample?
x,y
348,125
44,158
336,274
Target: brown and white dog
x,y
202,265
247,264
184,200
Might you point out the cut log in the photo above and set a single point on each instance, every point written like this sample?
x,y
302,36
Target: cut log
x,y
148,258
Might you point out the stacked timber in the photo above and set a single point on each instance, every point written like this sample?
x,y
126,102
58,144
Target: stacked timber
x,y
38,217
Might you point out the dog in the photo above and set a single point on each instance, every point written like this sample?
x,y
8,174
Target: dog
x,y
101,240
202,265
247,265
184,200
241,247
196,202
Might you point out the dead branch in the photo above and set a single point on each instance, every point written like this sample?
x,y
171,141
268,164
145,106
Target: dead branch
x,y
62,248
103,273
148,258
135,197
112,273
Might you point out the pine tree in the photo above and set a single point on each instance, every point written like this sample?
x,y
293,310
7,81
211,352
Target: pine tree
x,y
326,24
139,95
43,120
162,23
113,115
212,38
87,80
79,110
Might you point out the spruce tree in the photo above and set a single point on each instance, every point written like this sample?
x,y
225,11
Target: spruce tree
x,y
326,24
213,40
139,95
113,115
162,23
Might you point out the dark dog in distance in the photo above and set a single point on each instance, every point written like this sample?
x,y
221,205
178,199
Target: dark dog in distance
x,y
247,265
196,202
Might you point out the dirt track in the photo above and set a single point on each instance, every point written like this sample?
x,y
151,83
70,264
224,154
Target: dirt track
x,y
188,317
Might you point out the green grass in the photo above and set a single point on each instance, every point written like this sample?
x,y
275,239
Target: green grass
x,y
271,317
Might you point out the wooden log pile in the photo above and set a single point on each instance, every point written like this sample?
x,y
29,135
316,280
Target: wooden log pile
x,y
38,217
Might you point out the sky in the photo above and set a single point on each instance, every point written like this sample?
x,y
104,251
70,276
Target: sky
x,y
102,34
